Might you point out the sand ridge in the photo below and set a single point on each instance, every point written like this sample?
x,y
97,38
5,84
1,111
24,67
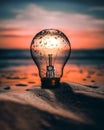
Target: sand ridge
x,y
67,103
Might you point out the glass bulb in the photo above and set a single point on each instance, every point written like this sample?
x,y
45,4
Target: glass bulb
x,y
50,50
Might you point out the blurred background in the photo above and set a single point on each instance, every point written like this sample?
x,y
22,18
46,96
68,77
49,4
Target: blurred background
x,y
81,21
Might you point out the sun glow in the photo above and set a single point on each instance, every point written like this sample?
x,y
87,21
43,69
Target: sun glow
x,y
52,43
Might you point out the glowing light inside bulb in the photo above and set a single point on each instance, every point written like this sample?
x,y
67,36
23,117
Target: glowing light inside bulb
x,y
49,48
51,43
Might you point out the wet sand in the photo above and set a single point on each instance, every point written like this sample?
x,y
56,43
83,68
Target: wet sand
x,y
77,105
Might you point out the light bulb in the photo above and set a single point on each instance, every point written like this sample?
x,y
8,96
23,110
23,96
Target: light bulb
x,y
50,50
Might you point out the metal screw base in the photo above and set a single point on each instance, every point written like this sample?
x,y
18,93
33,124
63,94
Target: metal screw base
x,y
50,83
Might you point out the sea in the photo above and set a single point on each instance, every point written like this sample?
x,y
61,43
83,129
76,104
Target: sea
x,y
84,67
17,57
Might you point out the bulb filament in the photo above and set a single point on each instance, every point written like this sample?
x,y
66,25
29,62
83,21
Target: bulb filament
x,y
50,68
50,59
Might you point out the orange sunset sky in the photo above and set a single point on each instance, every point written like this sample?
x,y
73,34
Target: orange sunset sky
x,y
82,22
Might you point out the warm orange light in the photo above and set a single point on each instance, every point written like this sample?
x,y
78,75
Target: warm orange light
x,y
83,39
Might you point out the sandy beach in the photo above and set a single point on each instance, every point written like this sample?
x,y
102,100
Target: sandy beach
x,y
25,106
46,43
73,107
53,44
77,105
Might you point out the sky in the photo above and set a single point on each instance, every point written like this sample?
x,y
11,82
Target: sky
x,y
82,21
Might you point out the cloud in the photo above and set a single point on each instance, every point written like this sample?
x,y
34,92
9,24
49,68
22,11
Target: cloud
x,y
81,29
34,16
97,8
71,6
89,2
3,29
8,36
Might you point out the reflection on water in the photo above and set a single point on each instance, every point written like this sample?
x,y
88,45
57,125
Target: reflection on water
x,y
26,76
87,75
18,71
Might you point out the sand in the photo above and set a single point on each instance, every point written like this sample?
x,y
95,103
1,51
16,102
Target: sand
x,y
72,106
77,105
